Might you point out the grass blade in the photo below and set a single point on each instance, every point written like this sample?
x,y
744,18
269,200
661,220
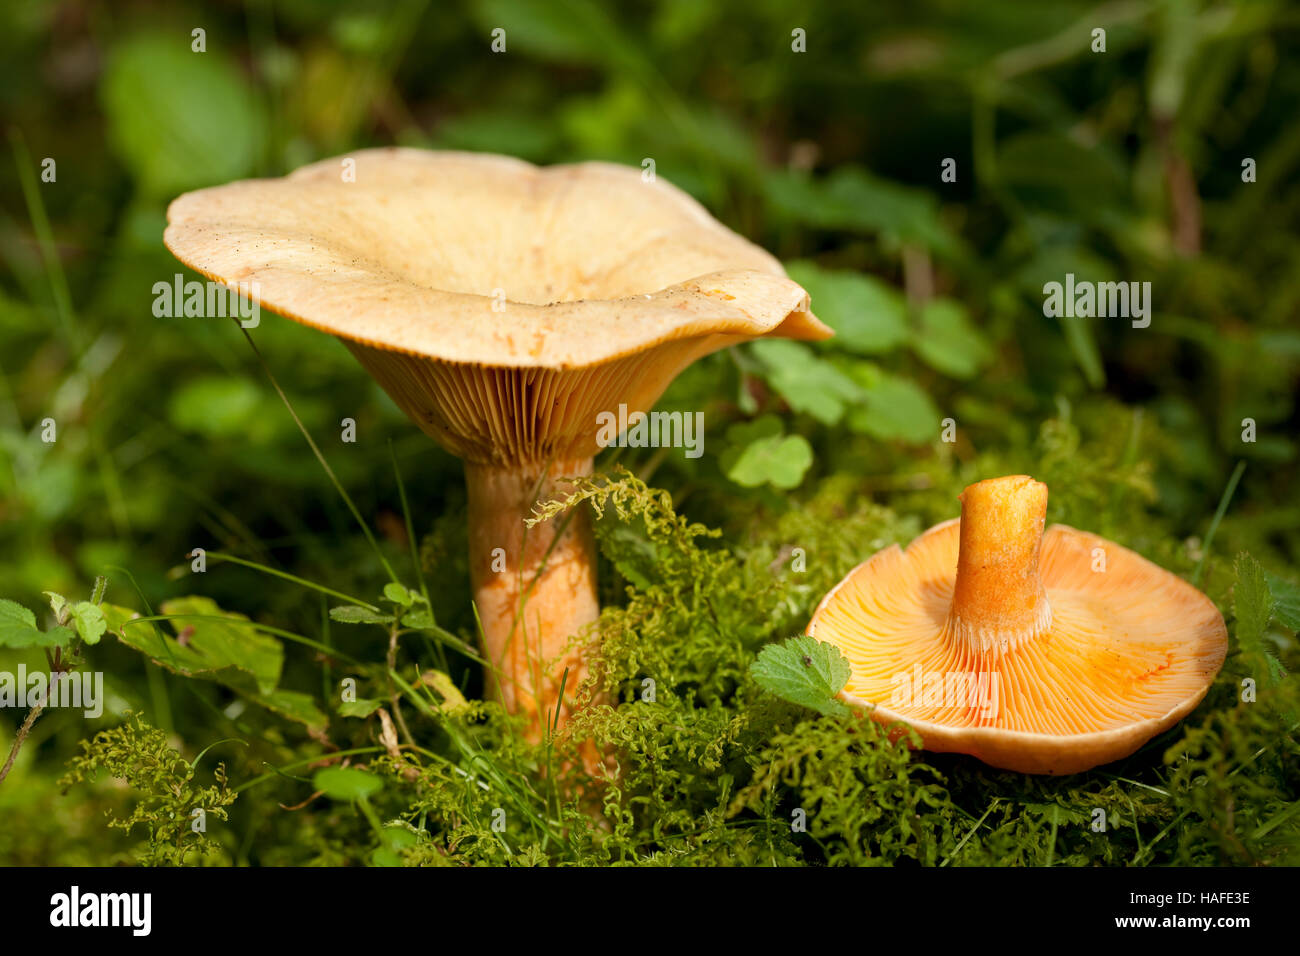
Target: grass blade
x,y
1218,516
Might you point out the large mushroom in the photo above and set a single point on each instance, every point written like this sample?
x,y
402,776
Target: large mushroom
x,y
504,307
1042,653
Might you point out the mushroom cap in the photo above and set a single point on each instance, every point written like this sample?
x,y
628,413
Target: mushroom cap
x,y
585,263
472,285
1130,651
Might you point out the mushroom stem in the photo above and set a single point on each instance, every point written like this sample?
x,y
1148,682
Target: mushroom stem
x,y
534,587
999,600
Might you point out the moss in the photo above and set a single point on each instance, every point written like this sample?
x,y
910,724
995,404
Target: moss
x,y
168,805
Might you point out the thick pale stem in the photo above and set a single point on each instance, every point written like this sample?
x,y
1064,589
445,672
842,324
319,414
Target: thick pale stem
x,y
535,588
999,600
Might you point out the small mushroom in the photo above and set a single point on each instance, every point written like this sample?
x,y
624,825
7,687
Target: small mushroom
x,y
504,307
1041,653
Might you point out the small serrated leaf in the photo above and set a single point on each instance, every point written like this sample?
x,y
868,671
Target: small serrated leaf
x,y
13,613
804,671
1276,672
18,627
57,601
57,636
1252,602
89,621
1286,601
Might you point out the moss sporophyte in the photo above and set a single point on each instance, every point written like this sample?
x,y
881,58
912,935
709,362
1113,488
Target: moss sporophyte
x,y
504,307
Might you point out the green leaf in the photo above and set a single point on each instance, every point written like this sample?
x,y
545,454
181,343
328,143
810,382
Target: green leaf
x,y
1286,601
233,640
18,637
58,636
89,621
17,625
807,383
346,783
948,342
351,614
444,687
804,671
14,614
206,648
18,629
231,653
290,704
397,594
362,707
57,602
868,316
180,119
761,453
394,839
115,616
420,618
893,409
1276,671
1252,602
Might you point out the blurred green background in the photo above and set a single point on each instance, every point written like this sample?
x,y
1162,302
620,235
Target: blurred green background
x,y
1118,165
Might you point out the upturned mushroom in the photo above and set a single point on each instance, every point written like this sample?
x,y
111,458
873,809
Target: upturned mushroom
x,y
504,307
1041,653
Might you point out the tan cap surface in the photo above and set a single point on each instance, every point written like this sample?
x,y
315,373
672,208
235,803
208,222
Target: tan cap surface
x,y
483,259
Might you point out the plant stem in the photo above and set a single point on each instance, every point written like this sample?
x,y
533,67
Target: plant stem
x,y
23,731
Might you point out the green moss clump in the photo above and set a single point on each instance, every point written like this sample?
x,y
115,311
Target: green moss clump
x,y
167,803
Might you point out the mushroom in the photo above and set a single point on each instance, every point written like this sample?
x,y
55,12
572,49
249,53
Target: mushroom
x,y
504,307
1041,653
